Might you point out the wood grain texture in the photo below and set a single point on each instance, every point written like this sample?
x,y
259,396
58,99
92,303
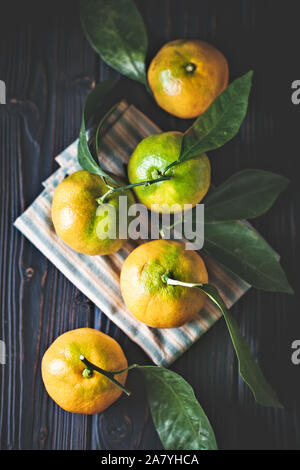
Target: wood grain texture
x,y
48,68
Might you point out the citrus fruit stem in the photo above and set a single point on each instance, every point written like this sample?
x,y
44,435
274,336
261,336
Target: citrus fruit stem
x,y
101,199
176,162
173,282
109,375
133,366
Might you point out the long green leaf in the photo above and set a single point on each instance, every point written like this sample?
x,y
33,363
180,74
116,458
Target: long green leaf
x,y
116,30
85,157
220,122
95,97
177,415
245,253
246,194
100,124
249,369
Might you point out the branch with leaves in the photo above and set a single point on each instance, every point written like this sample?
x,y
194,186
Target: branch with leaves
x,y
177,415
229,238
246,194
249,369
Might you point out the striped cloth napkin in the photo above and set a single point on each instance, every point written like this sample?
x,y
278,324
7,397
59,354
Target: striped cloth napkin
x,y
98,276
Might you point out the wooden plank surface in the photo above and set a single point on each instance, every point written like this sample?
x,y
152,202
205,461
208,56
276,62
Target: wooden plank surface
x,y
48,68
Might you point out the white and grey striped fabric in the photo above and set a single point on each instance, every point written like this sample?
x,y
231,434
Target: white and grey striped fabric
x,y
98,276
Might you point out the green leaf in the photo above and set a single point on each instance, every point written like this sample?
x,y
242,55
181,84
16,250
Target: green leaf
x,y
95,96
249,369
177,415
246,194
116,30
245,253
99,127
85,157
220,122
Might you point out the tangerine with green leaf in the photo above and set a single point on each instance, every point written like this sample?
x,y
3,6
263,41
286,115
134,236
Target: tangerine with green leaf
x,y
146,294
189,180
79,220
70,383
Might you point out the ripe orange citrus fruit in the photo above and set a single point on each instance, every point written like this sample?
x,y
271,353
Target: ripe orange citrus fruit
x,y
151,300
189,181
76,217
62,371
186,76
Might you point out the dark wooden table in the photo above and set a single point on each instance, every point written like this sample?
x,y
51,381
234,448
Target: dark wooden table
x,y
49,67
